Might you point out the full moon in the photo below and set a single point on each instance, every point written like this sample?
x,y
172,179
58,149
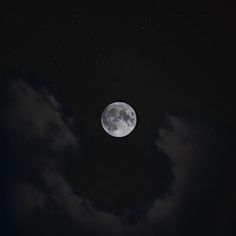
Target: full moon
x,y
118,119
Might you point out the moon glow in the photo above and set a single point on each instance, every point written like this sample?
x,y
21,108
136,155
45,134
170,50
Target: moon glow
x,y
118,119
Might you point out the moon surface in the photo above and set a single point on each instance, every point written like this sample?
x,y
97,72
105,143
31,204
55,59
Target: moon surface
x,y
118,119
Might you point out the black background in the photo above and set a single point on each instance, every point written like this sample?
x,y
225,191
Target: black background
x,y
162,62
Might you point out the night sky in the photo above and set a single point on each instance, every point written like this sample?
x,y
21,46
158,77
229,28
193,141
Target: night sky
x,y
62,174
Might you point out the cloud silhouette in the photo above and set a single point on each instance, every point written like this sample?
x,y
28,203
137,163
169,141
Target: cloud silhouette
x,y
36,114
43,192
181,142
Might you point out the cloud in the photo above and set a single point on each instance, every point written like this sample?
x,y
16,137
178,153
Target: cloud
x,y
85,214
36,114
25,198
184,142
76,207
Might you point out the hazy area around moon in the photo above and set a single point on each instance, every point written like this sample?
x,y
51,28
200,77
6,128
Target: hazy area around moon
x,y
118,119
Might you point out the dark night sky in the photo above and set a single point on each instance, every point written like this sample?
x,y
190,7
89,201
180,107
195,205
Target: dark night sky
x,y
61,174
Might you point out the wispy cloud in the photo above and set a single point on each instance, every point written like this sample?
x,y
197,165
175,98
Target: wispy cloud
x,y
35,116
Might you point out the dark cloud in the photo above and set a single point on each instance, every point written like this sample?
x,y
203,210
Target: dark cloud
x,y
36,114
25,199
198,165
181,142
43,191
